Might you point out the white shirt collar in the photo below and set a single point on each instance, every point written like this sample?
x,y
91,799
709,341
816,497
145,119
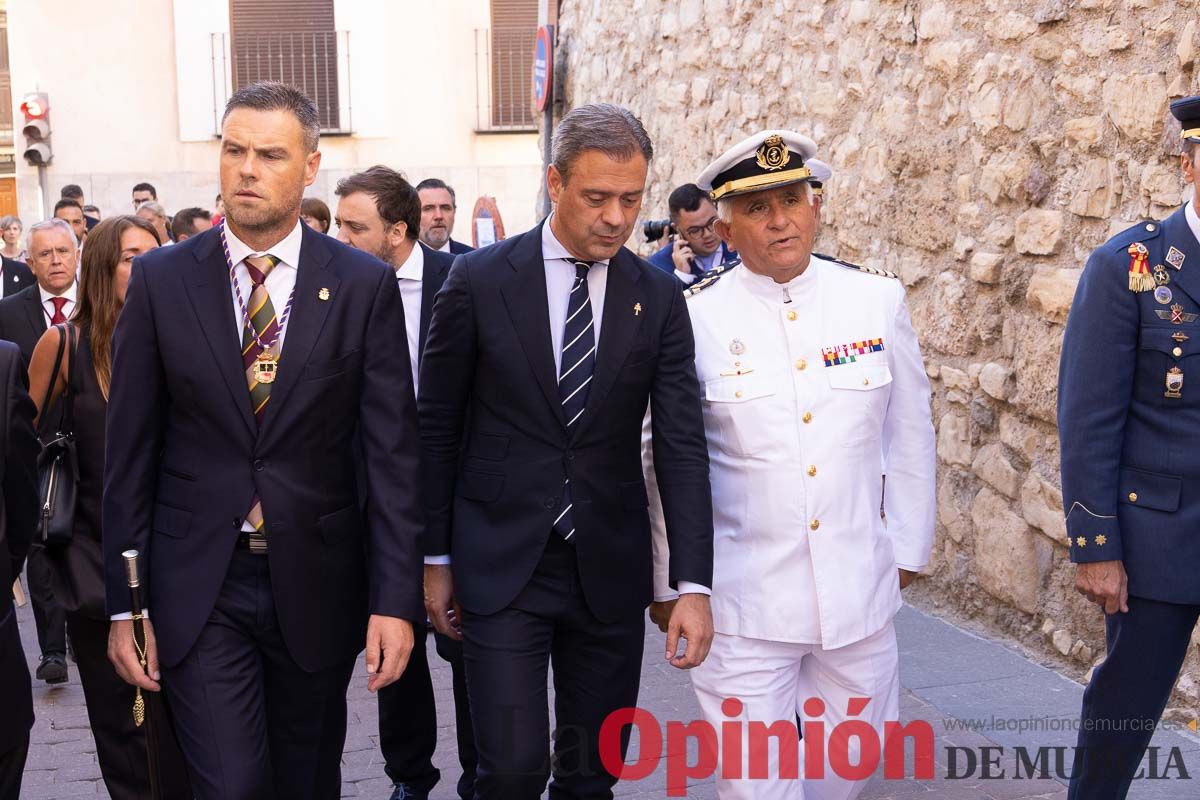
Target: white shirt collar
x,y
553,249
287,250
445,248
765,287
413,268
1193,220
70,293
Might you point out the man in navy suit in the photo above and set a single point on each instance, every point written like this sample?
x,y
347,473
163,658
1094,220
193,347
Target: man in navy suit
x,y
1128,416
439,204
18,517
544,352
14,276
379,212
246,359
695,249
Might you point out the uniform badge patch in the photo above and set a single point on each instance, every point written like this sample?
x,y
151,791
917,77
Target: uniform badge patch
x,y
849,353
1140,279
1175,257
1174,383
1162,295
1176,316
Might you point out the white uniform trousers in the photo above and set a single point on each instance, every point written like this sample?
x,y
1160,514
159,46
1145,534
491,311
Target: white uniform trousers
x,y
773,680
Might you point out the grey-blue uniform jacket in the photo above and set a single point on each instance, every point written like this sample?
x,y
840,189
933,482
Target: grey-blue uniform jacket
x,y
1129,412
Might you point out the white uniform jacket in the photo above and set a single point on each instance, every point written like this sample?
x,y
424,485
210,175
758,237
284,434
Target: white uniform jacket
x,y
813,390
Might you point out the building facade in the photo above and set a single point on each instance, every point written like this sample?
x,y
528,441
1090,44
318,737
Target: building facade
x,y
136,91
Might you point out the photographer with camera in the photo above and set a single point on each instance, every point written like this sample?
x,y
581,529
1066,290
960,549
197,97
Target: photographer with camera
x,y
694,247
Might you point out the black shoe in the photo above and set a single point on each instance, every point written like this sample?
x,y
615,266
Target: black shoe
x,y
405,792
52,670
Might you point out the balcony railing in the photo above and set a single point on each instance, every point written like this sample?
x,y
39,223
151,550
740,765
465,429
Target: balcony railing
x,y
504,80
318,64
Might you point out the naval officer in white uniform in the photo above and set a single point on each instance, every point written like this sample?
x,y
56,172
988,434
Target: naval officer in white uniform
x,y
813,388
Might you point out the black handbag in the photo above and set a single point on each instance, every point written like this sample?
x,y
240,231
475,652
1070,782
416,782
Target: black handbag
x,y
58,463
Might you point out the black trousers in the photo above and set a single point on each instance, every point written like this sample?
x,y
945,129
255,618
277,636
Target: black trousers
x,y
252,724
596,671
120,744
48,615
1127,694
12,767
408,727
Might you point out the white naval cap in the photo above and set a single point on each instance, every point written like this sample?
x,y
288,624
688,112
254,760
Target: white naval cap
x,y
763,161
821,173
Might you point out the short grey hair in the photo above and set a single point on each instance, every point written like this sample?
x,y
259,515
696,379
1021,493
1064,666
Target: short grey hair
x,y
9,219
49,225
725,204
153,206
276,96
609,128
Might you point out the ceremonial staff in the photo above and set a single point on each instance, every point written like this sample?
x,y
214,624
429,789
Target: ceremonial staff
x,y
140,704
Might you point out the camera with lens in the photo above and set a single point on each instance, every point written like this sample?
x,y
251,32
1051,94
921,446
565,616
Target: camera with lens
x,y
655,229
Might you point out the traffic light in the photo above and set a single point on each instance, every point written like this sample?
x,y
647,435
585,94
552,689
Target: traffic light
x,y
36,108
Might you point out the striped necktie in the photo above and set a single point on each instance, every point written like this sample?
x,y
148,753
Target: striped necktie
x,y
265,329
575,375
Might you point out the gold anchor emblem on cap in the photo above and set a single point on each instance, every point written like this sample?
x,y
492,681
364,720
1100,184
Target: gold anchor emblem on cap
x,y
773,154
323,294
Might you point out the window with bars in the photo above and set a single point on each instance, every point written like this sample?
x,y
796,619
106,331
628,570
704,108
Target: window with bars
x,y
292,41
504,62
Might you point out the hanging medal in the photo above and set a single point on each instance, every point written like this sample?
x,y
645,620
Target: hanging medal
x,y
1140,279
266,364
1174,383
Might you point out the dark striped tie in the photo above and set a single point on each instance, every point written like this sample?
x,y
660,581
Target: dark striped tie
x,y
266,325
575,375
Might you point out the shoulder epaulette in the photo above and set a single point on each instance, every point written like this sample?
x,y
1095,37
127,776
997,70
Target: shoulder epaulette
x,y
720,268
701,285
1143,231
883,273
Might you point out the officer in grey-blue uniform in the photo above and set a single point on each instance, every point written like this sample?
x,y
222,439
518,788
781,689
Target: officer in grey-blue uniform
x,y
1129,424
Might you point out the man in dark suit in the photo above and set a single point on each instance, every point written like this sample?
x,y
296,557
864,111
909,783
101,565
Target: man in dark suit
x,y
438,207
231,471
538,523
379,212
14,276
24,317
18,483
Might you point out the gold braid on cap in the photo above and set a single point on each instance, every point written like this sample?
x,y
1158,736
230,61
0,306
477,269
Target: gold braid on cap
x,y
759,181
1190,133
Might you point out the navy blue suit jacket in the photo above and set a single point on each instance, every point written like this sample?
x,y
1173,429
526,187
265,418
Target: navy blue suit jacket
x,y
185,455
662,258
458,248
18,494
496,444
1130,451
15,276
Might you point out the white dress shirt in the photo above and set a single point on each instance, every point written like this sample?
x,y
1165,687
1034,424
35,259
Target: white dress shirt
x,y
408,278
1193,220
560,277
445,248
48,301
280,282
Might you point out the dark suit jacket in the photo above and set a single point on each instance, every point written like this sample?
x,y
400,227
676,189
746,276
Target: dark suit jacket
x,y
185,455
662,258
15,276
437,267
458,248
18,482
23,321
488,387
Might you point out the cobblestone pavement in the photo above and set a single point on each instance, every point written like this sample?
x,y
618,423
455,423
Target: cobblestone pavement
x,y
948,675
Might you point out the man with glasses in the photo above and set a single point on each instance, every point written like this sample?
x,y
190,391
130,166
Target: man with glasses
x,y
696,249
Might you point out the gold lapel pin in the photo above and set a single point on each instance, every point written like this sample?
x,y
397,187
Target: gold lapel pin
x,y
637,309
323,294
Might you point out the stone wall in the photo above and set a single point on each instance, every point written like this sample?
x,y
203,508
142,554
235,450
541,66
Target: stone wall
x,y
981,150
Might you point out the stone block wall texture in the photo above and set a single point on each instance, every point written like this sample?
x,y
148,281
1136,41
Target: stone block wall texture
x,y
981,149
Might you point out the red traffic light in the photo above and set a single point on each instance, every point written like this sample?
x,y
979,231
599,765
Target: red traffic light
x,y
35,106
